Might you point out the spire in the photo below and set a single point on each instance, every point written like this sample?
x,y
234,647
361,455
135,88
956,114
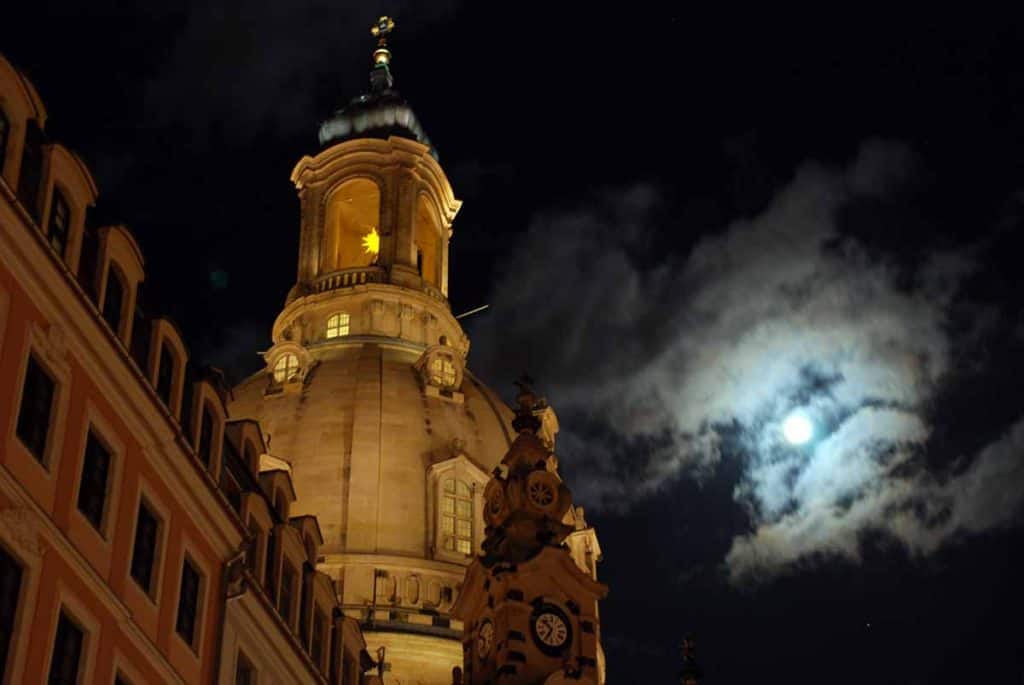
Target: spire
x,y
381,112
380,76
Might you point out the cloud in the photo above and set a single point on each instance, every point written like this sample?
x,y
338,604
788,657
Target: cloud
x,y
662,365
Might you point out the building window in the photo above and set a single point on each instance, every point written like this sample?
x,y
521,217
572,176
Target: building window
x,y
316,649
245,674
457,516
31,175
36,409
67,652
113,301
205,452
253,553
286,368
5,136
165,374
144,549
270,576
60,219
188,603
92,491
337,325
442,372
284,605
10,593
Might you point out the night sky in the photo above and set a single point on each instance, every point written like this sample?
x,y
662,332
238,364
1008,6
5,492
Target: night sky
x,y
688,226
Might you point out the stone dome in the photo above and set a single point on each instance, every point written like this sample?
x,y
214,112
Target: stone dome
x,y
361,433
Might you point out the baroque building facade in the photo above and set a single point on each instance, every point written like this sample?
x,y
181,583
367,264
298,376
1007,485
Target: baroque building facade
x,y
314,523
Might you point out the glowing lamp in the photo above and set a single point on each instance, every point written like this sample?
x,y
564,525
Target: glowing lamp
x,y
797,429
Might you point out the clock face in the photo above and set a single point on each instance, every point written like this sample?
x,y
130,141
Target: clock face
x,y
484,639
551,628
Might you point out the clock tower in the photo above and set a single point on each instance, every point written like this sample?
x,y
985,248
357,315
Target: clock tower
x,y
529,603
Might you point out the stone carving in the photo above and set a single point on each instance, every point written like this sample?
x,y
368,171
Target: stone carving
x,y
23,528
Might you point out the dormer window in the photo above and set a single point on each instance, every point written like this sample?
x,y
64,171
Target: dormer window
x,y
113,301
286,368
60,220
442,372
5,135
457,516
338,325
31,174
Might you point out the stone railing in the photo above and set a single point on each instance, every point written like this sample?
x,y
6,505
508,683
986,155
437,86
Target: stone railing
x,y
348,277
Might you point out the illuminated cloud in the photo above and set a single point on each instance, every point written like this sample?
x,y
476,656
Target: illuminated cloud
x,y
667,365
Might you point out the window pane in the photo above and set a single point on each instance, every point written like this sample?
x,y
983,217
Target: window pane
x,y
463,489
188,603
284,606
448,525
449,543
67,652
36,407
464,529
92,493
165,374
147,531
57,231
464,547
113,301
449,485
10,593
464,509
449,505
206,438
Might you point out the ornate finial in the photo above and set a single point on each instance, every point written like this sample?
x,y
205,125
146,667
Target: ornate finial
x,y
381,30
526,402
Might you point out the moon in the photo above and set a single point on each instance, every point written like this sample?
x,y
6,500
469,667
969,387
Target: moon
x,y
797,429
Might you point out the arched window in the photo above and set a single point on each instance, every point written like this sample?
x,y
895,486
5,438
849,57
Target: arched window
x,y
457,516
286,368
113,300
5,135
442,372
351,237
60,219
428,242
337,325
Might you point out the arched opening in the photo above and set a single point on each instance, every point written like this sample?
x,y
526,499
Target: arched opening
x,y
351,226
286,368
428,242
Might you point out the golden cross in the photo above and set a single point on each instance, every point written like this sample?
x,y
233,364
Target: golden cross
x,y
382,29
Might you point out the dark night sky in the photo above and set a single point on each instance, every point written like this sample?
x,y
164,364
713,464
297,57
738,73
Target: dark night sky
x,y
687,225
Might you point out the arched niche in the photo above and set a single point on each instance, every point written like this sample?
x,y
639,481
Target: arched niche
x,y
427,238
351,226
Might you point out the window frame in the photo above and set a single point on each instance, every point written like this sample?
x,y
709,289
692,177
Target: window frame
x,y
152,595
86,621
59,199
97,423
286,377
342,327
49,351
202,601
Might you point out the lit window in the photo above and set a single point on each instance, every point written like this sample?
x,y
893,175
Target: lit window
x,y
457,516
337,325
286,368
442,372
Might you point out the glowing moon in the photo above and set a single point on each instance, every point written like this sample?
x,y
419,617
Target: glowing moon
x,y
797,429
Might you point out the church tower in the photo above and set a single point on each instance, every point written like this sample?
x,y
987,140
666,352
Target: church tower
x,y
388,437
529,606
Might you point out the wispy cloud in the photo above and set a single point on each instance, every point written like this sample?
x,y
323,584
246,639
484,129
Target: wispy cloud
x,y
663,362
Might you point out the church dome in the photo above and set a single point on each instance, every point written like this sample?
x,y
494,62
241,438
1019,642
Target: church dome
x,y
366,396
